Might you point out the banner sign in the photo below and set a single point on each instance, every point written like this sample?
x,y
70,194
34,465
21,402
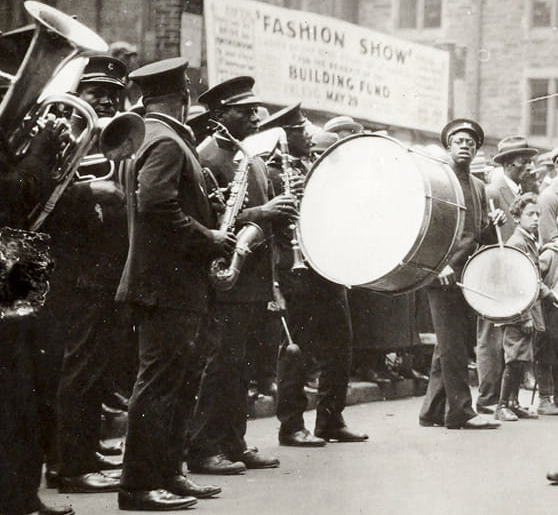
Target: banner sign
x,y
327,64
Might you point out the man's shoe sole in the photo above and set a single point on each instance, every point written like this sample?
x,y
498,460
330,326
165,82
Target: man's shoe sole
x,y
131,506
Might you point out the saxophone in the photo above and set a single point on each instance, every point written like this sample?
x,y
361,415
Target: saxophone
x,y
223,275
288,172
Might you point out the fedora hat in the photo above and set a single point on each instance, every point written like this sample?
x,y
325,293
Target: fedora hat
x,y
513,146
342,123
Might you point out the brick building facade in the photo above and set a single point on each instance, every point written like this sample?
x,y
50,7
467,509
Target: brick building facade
x,y
501,52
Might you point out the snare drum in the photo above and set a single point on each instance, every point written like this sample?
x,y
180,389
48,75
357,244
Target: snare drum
x,y
379,215
500,283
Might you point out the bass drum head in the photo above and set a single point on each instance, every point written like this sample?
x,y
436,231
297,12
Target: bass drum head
x,y
505,274
362,210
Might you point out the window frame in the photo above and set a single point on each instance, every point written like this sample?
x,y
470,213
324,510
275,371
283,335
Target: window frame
x,y
551,135
419,17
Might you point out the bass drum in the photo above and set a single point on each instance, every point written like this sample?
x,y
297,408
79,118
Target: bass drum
x,y
379,215
500,283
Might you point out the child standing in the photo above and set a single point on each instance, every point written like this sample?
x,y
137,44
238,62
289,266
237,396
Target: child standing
x,y
519,336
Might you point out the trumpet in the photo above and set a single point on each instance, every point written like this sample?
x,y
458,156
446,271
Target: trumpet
x,y
288,173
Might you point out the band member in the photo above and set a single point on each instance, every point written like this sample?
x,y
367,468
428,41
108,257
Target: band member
x,y
217,438
166,280
318,318
90,244
448,398
21,358
514,155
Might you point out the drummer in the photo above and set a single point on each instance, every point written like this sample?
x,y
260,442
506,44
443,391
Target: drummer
x,y
448,397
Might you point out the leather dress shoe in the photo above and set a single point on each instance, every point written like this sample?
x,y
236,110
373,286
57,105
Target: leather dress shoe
x,y
254,460
185,487
341,434
88,483
505,414
107,449
522,412
302,438
218,465
477,422
153,500
486,410
552,476
56,510
106,464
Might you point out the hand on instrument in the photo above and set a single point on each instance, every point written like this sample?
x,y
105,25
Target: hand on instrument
x,y
280,207
497,217
527,327
297,186
44,146
447,276
224,242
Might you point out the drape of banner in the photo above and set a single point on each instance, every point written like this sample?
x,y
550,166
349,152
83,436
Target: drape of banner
x,y
327,64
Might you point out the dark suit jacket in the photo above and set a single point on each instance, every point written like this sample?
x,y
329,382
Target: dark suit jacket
x,y
169,254
502,195
484,232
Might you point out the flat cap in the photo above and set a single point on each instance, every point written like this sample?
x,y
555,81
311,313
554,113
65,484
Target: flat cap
x,y
342,123
462,124
232,92
513,146
162,77
105,69
290,117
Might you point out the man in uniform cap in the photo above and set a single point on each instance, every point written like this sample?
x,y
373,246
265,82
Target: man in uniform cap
x,y
448,398
515,156
217,438
343,126
88,231
318,318
166,281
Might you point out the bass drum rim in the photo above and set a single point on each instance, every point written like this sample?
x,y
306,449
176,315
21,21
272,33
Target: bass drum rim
x,y
397,280
468,294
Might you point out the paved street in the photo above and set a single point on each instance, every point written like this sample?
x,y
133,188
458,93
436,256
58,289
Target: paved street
x,y
403,469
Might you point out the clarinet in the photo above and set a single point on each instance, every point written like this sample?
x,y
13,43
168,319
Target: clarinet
x,y
288,172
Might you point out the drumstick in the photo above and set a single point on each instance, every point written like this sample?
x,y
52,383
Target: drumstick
x,y
482,294
498,232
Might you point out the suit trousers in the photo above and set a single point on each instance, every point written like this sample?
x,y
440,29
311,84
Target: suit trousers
x,y
87,328
448,396
490,361
219,422
163,396
21,456
320,324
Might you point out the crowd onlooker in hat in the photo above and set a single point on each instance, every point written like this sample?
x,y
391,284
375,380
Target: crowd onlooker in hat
x,y
515,156
343,126
545,170
128,54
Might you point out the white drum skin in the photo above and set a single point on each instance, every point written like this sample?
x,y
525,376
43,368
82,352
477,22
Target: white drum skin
x,y
506,276
379,215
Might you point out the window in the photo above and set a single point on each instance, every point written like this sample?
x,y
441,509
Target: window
x,y
419,14
543,108
542,13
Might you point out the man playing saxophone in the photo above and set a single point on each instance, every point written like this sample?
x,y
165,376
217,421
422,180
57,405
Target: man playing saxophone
x,y
217,444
